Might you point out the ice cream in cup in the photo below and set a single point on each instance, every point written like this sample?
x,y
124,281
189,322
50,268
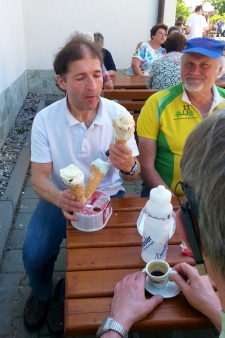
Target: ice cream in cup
x,y
123,127
98,170
73,178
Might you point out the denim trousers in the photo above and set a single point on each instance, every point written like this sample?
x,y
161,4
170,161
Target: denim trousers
x,y
46,230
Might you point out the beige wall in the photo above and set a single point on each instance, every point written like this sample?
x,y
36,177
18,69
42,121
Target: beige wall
x,y
12,42
48,23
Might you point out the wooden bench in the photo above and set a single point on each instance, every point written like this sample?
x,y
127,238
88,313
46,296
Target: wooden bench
x,y
132,99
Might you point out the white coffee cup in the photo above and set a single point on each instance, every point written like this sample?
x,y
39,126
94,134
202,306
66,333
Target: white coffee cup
x,y
159,272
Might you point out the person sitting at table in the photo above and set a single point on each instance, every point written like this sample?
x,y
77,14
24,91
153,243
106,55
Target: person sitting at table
x,y
77,129
165,72
203,212
107,56
107,81
169,116
149,51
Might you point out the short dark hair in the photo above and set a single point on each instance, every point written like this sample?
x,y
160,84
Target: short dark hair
x,y
173,28
175,43
197,8
76,49
98,37
180,18
154,29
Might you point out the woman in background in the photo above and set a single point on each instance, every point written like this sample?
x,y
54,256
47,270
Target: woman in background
x,y
149,51
165,72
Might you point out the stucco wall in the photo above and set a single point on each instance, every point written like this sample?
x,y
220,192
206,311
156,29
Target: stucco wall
x,y
123,23
13,75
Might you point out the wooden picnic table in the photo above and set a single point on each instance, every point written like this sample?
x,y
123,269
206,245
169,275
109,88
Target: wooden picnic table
x,y
140,82
96,261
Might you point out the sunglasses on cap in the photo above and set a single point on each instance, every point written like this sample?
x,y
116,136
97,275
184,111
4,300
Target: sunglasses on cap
x,y
190,208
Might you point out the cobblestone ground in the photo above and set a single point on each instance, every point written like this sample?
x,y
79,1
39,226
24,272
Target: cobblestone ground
x,y
14,288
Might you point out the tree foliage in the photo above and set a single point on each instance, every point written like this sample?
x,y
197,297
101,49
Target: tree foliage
x,y
182,9
219,5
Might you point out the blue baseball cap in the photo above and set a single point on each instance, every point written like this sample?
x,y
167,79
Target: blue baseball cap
x,y
205,46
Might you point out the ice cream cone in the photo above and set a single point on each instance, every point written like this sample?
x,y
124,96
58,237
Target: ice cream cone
x,y
120,141
78,192
95,177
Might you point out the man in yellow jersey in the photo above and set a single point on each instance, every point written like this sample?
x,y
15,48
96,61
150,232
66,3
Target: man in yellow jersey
x,y
169,116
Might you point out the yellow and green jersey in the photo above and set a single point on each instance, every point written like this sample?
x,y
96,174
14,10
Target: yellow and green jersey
x,y
168,117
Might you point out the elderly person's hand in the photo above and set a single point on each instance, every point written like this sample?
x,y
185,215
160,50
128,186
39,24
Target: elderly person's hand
x,y
68,205
198,291
121,157
129,304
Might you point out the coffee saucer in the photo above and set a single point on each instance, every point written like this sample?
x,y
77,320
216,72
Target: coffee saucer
x,y
170,290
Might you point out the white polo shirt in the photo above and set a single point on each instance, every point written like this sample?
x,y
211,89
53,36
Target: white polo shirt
x,y
59,138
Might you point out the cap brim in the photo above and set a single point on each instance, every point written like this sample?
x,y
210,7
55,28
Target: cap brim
x,y
203,51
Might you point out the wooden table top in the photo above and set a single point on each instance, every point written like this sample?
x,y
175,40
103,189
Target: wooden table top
x,y
96,261
140,82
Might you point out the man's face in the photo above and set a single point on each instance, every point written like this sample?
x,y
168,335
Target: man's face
x,y
83,83
198,71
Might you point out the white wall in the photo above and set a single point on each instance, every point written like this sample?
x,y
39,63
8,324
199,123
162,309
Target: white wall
x,y
123,23
12,42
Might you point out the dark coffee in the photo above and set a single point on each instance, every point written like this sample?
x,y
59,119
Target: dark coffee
x,y
157,273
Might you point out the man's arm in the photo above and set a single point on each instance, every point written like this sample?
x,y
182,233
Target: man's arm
x,y
198,292
147,150
121,158
129,304
187,30
50,193
135,65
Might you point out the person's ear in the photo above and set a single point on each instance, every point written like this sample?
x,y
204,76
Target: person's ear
x,y
61,82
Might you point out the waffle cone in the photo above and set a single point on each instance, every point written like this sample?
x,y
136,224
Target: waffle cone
x,y
120,141
78,192
95,177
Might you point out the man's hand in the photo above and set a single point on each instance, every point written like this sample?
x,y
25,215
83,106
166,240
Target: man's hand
x,y
121,157
68,205
129,304
198,292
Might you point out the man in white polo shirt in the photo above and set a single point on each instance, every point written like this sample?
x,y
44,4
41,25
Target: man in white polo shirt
x,y
196,24
78,130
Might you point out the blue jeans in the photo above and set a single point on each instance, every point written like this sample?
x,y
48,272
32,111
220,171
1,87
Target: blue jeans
x,y
46,230
145,191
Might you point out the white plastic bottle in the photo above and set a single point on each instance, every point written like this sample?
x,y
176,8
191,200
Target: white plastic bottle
x,y
157,224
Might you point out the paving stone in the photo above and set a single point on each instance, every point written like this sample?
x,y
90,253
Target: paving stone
x,y
17,239
10,286
63,244
22,220
6,318
13,261
60,264
28,205
28,183
21,331
29,193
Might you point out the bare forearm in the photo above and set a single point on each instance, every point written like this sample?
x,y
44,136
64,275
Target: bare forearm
x,y
137,70
151,178
47,190
112,72
213,313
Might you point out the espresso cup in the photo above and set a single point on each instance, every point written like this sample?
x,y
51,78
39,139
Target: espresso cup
x,y
159,272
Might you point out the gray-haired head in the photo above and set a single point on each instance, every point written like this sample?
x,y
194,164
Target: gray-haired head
x,y
203,169
98,37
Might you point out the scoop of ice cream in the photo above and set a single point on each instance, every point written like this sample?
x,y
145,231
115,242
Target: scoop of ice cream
x,y
72,175
98,170
101,165
123,126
